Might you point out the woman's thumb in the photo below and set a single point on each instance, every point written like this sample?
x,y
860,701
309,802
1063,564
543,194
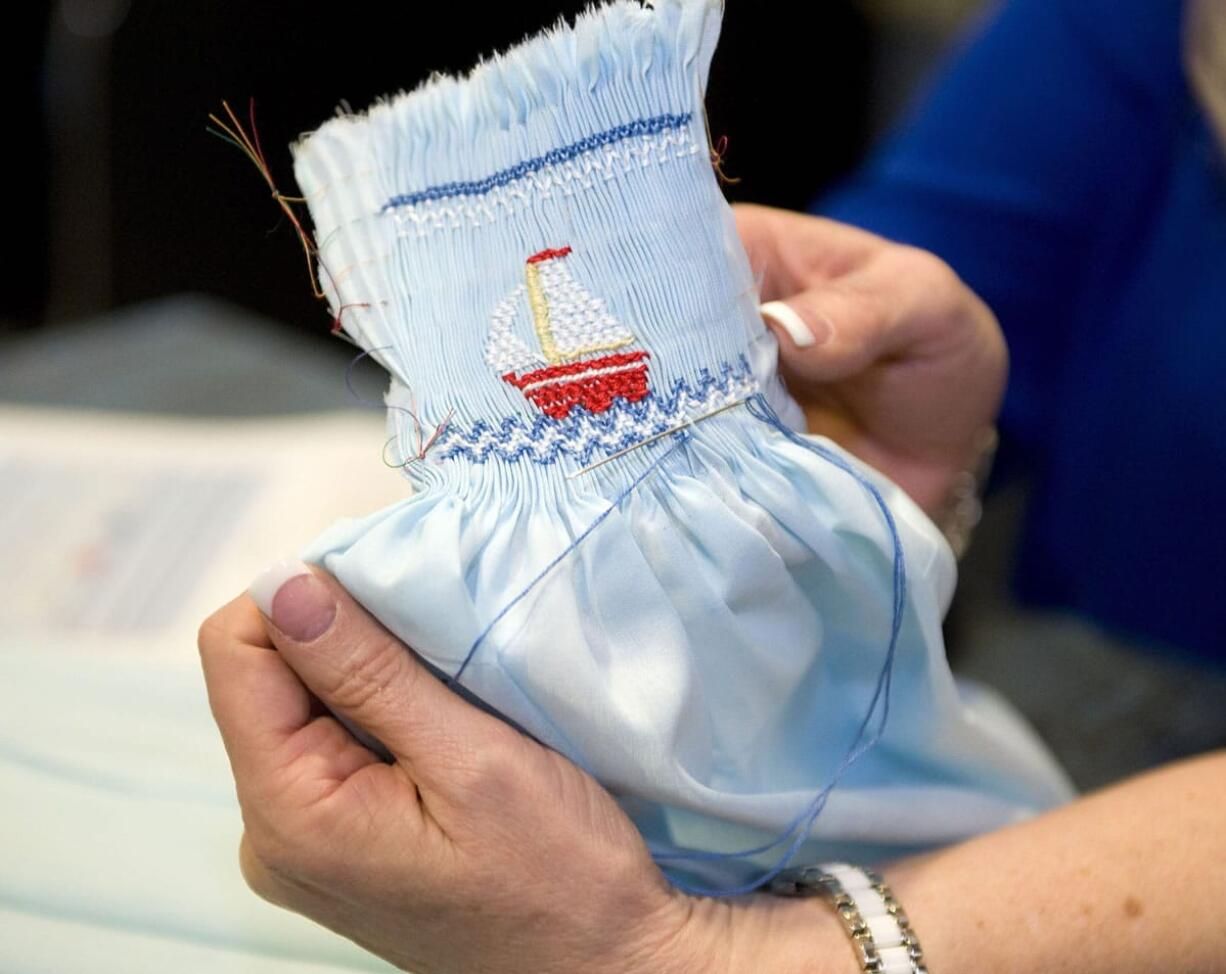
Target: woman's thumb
x,y
358,670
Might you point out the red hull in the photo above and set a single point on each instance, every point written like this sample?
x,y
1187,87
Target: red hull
x,y
593,384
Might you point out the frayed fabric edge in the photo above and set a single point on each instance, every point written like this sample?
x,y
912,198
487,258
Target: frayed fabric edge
x,y
606,43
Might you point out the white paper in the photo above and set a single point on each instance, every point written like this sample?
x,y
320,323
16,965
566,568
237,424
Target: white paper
x,y
127,531
119,827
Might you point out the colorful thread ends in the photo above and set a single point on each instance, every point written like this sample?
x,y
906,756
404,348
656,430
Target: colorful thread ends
x,y
234,133
249,145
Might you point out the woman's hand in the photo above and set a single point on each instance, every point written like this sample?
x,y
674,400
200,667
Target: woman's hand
x,y
475,849
893,357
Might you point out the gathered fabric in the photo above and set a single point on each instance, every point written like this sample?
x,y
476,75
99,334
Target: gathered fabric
x,y
606,543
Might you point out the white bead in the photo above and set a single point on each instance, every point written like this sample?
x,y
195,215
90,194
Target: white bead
x,y
885,930
852,878
870,903
896,960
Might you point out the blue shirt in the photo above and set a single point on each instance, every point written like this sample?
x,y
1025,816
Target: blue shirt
x,y
1062,167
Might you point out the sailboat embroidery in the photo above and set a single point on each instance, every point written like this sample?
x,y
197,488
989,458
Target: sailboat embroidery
x,y
587,357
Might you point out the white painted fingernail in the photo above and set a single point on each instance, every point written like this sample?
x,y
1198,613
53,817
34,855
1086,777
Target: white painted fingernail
x,y
783,315
270,580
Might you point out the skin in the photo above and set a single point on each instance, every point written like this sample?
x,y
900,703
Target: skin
x,y
472,848
909,366
476,849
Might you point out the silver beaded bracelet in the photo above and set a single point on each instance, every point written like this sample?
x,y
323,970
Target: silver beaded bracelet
x,y
880,931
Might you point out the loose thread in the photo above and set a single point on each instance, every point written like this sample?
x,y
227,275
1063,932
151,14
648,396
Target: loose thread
x,y
422,447
236,135
683,436
717,150
353,392
802,824
800,827
336,322
249,145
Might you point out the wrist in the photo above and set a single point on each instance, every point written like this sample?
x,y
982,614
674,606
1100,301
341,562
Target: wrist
x,y
765,934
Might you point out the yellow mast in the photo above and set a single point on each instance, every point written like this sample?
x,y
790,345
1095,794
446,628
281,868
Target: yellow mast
x,y
544,327
540,315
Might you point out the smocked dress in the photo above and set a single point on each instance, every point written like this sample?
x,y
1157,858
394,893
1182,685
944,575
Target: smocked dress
x,y
615,537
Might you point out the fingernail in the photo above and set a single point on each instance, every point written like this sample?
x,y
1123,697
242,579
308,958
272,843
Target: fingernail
x,y
803,334
272,578
294,599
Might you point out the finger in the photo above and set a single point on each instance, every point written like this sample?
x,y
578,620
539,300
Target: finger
x,y
267,717
790,252
366,675
901,302
828,333
256,699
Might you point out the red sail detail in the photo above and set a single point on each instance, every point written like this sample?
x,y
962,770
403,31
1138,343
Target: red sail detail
x,y
548,254
593,384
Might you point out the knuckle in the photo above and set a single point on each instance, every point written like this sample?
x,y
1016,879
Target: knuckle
x,y
497,774
366,673
275,863
868,315
262,845
858,314
258,874
930,272
922,264
932,291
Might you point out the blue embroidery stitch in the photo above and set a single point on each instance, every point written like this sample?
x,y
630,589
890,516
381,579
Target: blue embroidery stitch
x,y
478,187
581,435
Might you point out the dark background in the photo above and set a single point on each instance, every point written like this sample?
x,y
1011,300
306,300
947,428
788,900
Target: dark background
x,y
125,197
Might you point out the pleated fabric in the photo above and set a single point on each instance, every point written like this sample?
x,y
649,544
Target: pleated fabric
x,y
540,256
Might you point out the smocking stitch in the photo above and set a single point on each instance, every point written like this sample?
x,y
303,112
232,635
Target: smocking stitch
x,y
581,173
583,434
479,187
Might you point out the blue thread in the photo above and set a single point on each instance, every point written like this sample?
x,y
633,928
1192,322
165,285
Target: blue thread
x,y
479,187
582,434
802,824
682,437
362,400
372,404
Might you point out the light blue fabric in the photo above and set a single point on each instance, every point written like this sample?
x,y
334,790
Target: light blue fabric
x,y
710,649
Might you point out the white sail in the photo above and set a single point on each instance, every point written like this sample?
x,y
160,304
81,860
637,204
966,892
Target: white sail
x,y
504,350
580,321
569,322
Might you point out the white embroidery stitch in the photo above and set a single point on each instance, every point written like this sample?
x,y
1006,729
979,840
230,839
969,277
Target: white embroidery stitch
x,y
581,173
504,350
584,435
